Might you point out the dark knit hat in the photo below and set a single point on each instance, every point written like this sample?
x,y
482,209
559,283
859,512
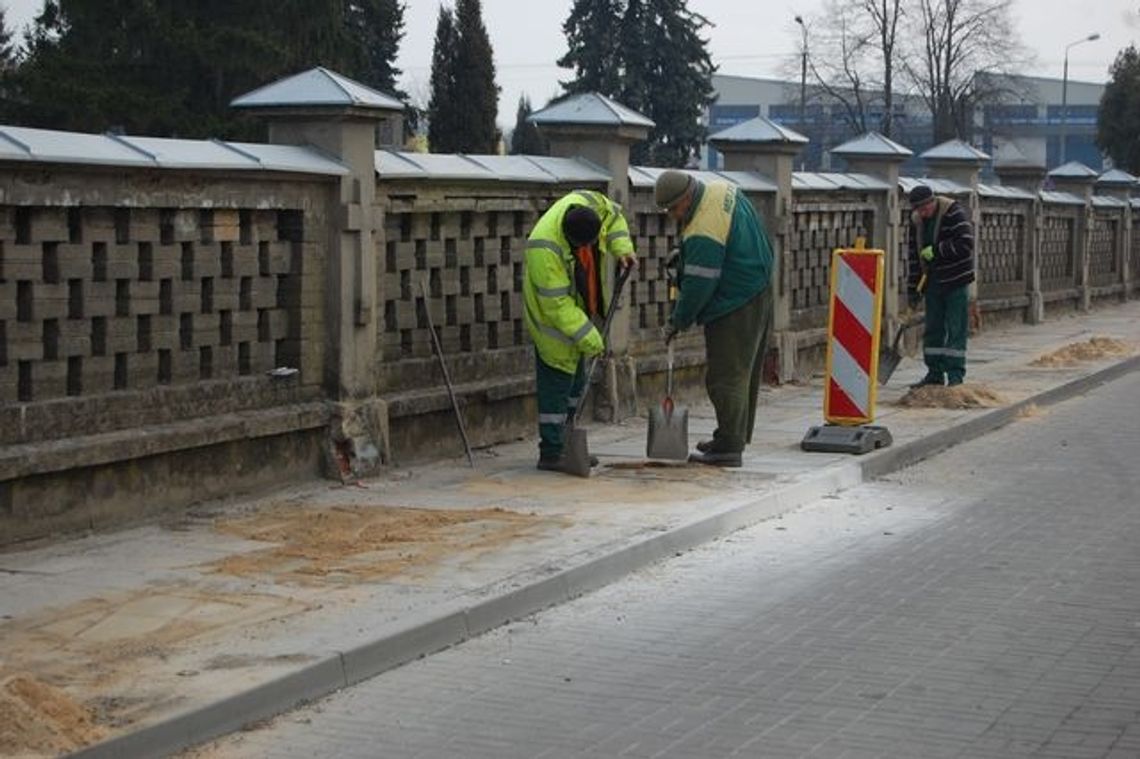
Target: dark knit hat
x,y
670,187
920,194
581,225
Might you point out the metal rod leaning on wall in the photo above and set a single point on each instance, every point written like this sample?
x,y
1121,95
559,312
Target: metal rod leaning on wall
x,y
446,377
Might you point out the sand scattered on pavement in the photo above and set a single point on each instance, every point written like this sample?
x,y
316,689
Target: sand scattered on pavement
x,y
965,396
358,542
1093,349
37,719
1029,411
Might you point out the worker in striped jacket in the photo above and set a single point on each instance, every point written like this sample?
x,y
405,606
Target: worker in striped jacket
x,y
941,268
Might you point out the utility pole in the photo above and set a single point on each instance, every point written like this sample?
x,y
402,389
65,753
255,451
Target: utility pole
x,y
1065,92
803,82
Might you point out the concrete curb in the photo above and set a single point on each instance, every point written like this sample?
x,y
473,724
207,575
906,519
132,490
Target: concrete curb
x,y
458,622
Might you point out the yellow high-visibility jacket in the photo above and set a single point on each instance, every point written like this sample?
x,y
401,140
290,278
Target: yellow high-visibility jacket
x,y
555,317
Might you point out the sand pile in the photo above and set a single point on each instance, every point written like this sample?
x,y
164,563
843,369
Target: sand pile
x,y
37,719
957,397
1092,350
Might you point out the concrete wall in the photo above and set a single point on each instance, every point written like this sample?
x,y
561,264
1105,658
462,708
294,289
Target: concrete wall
x,y
143,311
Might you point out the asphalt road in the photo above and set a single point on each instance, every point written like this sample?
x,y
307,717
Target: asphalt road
x,y
985,603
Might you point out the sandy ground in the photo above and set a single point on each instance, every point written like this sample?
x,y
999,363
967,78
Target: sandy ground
x,y
362,542
107,663
1094,349
964,396
38,719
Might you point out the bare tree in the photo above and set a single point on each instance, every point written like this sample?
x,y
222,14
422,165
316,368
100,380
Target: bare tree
x,y
885,16
853,58
952,41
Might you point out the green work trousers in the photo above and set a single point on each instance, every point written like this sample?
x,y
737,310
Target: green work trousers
x,y
947,326
735,347
558,394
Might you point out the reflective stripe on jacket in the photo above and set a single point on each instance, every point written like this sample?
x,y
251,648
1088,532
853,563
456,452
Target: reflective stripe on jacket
x,y
554,314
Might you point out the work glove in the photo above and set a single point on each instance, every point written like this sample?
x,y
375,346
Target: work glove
x,y
592,345
926,254
669,331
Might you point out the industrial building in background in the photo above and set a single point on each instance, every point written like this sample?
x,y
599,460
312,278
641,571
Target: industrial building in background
x,y
1027,122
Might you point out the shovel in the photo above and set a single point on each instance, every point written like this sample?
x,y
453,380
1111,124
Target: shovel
x,y
575,449
890,358
668,425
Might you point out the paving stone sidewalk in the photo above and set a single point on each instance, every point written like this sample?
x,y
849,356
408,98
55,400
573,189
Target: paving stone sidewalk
x,y
168,634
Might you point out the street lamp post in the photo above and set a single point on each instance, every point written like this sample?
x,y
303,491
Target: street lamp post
x,y
803,80
1065,91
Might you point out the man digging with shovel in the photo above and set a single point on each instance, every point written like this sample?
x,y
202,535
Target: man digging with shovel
x,y
566,287
941,256
724,276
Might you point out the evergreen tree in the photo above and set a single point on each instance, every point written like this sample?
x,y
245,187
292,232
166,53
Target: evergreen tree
x,y
171,68
7,47
592,34
1118,120
659,66
443,124
476,94
376,27
525,139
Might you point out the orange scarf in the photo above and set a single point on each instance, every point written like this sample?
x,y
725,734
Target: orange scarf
x,y
587,264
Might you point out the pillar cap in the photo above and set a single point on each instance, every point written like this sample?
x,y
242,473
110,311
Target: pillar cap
x,y
589,109
757,131
1116,178
874,146
1073,171
955,152
318,91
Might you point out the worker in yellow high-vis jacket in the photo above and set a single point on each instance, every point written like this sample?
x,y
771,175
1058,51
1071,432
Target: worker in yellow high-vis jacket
x,y
566,291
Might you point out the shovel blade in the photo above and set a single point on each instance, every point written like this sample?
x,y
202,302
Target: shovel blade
x,y
668,433
888,362
576,453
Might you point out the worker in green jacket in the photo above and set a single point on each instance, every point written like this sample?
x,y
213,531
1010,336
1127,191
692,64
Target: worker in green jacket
x,y
724,273
566,291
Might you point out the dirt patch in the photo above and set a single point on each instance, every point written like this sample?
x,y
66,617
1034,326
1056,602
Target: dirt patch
x,y
350,543
957,397
1094,349
39,719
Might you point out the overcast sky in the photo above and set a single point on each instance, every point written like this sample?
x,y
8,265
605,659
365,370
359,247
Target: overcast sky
x,y
749,38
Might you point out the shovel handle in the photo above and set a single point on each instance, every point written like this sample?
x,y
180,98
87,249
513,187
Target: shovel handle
x,y
669,371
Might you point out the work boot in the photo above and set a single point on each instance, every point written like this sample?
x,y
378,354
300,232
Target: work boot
x,y
929,379
717,458
554,463
952,381
705,446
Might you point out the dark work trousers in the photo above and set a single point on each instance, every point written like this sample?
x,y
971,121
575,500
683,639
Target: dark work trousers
x,y
735,346
947,326
558,394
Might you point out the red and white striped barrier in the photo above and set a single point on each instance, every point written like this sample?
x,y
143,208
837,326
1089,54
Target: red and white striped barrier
x,y
853,336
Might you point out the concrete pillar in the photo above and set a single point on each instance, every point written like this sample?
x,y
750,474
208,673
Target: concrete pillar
x,y
765,148
1119,184
962,163
345,126
1078,179
881,157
